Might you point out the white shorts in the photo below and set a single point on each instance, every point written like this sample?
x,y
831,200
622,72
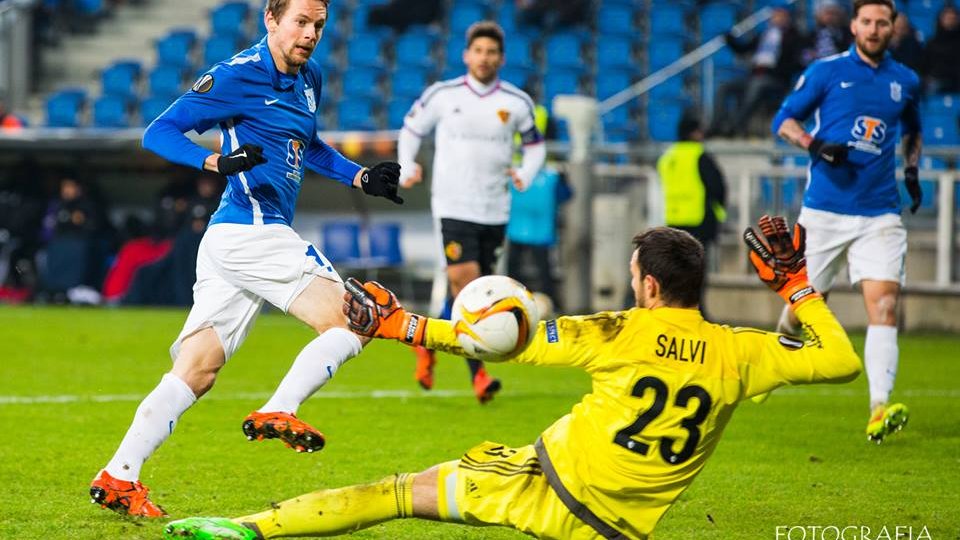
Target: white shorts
x,y
240,266
875,246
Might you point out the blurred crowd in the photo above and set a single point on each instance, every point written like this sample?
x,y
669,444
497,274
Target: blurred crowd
x,y
779,53
60,242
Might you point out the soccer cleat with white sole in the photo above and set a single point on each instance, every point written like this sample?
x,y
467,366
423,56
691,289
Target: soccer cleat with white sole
x,y
885,420
201,528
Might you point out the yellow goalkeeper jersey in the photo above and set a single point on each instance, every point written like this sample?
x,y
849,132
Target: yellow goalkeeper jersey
x,y
665,384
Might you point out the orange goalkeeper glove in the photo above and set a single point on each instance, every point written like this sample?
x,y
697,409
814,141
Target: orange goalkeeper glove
x,y
372,310
779,260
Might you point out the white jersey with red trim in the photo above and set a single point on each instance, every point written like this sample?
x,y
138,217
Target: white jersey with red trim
x,y
475,126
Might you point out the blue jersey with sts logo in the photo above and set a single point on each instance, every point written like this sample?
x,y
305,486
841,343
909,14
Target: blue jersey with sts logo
x,y
868,109
253,103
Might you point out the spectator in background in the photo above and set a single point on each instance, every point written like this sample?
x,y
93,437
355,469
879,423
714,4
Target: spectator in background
x,y
552,13
532,230
777,58
21,212
73,259
942,68
832,33
8,120
905,46
401,14
694,189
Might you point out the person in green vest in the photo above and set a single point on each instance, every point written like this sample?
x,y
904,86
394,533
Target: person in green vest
x,y
694,189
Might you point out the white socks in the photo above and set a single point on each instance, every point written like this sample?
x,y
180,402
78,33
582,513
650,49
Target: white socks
x,y
314,366
152,424
880,356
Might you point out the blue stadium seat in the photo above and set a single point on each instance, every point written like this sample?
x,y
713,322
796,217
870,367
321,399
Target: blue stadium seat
x,y
166,81
564,50
385,244
408,83
229,19
175,48
610,81
717,18
63,108
668,19
518,76
519,51
463,15
396,110
366,52
940,129
415,48
663,52
506,17
614,19
356,114
120,80
111,112
152,107
88,7
670,90
560,82
453,53
614,51
662,122
219,48
362,82
341,242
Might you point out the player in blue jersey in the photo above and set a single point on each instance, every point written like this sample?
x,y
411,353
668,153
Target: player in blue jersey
x,y
264,100
860,101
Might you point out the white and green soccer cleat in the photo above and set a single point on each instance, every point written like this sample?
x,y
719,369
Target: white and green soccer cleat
x,y
201,528
885,420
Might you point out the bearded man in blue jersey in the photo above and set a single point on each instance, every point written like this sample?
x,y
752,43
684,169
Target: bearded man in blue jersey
x,y
264,100
860,100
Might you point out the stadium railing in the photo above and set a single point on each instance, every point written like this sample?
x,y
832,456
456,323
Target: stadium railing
x,y
16,21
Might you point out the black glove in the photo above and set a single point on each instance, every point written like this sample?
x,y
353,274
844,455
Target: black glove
x,y
382,181
242,159
833,153
912,177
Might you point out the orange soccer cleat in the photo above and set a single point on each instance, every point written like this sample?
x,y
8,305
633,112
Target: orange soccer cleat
x,y
485,386
123,497
294,433
426,359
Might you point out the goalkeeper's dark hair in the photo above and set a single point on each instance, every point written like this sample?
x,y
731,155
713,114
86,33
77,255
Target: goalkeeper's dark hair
x,y
487,29
857,4
675,259
279,7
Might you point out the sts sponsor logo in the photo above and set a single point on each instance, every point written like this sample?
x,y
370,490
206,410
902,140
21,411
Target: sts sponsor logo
x,y
869,133
295,159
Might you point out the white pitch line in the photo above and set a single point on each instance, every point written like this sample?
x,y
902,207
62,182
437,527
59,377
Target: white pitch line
x,y
824,391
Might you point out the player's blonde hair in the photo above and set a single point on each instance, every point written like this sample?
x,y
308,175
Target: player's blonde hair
x,y
279,7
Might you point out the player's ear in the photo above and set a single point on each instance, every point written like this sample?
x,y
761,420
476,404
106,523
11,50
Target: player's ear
x,y
269,21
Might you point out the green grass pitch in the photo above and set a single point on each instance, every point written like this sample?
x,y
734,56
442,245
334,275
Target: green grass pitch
x,y
70,380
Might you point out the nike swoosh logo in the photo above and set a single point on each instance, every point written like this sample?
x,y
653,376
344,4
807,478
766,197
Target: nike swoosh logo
x,y
846,84
242,154
270,101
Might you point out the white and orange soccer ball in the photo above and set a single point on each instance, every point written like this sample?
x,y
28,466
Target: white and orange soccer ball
x,y
494,317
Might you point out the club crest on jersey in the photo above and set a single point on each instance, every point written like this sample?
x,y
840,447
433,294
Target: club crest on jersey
x,y
295,153
453,251
504,115
896,91
311,99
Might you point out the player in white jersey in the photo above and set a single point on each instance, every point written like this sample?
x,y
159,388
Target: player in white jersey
x,y
476,118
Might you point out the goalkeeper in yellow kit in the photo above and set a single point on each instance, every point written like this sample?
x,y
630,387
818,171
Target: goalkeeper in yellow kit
x,y
665,384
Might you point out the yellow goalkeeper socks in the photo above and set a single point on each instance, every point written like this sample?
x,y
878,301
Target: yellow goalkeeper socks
x,y
330,512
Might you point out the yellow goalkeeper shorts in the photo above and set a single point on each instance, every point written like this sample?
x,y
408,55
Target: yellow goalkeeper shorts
x,y
493,484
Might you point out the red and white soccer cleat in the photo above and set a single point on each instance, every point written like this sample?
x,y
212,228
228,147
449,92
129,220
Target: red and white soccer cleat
x,y
294,433
485,386
125,497
426,359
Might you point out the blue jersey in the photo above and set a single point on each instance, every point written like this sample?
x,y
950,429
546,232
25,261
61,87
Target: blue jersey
x,y
253,103
866,108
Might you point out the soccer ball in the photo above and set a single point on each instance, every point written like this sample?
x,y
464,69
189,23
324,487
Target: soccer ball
x,y
494,317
